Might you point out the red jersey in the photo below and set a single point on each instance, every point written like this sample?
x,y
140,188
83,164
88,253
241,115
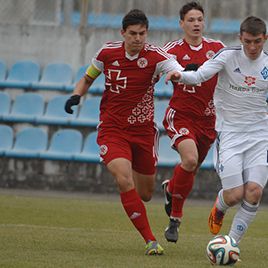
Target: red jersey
x,y
128,100
194,101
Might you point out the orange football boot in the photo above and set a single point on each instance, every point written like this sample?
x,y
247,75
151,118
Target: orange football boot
x,y
215,219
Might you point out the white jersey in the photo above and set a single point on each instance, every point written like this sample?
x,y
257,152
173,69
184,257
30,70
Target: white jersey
x,y
241,90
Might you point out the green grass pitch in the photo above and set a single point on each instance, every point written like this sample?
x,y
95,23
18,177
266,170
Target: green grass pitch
x,y
69,230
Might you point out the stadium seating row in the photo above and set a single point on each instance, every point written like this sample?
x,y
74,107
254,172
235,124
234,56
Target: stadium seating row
x,y
32,108
107,20
56,76
68,144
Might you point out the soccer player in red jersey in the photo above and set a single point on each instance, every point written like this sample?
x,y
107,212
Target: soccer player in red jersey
x,y
126,134
190,117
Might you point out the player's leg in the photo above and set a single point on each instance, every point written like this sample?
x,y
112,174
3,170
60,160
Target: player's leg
x,y
255,178
229,165
130,199
116,153
144,185
226,198
181,185
144,158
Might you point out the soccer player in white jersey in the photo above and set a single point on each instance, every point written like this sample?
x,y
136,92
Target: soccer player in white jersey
x,y
127,135
241,123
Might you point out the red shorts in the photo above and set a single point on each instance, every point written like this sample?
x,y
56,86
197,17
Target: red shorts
x,y
179,128
140,150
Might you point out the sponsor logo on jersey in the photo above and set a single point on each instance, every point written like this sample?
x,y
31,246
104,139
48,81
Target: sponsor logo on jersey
x,y
103,149
264,73
186,57
250,80
210,54
237,70
116,63
142,62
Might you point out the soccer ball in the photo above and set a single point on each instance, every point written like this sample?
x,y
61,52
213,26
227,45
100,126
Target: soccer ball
x,y
223,250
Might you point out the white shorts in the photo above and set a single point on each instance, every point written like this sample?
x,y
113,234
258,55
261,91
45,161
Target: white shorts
x,y
242,157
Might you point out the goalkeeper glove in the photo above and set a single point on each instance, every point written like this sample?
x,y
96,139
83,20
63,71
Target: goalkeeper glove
x,y
73,100
191,67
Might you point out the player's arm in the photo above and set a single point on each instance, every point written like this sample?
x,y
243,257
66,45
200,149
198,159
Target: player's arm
x,y
82,87
204,72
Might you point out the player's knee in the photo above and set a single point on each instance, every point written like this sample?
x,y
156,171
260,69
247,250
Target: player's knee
x,y
253,194
146,196
125,183
190,163
234,196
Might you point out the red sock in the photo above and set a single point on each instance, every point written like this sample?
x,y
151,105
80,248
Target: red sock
x,y
172,180
183,184
136,212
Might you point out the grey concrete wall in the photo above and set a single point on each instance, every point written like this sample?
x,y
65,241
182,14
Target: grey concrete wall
x,y
47,44
91,178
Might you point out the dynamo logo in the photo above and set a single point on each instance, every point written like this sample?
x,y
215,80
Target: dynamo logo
x,y
264,73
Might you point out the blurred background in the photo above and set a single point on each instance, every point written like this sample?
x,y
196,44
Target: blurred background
x,y
72,30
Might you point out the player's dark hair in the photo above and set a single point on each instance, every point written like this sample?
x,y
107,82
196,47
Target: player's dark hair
x,y
134,17
189,6
253,25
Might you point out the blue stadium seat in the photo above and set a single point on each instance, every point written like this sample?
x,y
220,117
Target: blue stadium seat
x,y
208,163
98,85
56,76
167,156
159,112
5,104
104,20
29,143
80,73
90,151
27,107
55,113
22,75
65,144
163,23
89,113
6,139
3,70
161,89
221,25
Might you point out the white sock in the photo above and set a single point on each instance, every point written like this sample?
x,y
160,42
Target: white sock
x,y
221,205
242,219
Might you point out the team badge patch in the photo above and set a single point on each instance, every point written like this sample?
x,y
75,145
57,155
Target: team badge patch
x,y
210,54
264,73
142,62
184,131
103,149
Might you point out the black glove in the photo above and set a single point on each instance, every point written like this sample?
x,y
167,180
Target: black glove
x,y
191,67
73,100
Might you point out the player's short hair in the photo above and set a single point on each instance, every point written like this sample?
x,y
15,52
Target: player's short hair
x,y
253,25
134,17
189,6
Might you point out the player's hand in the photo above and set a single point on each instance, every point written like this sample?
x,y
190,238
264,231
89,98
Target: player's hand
x,y
172,76
191,67
73,100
